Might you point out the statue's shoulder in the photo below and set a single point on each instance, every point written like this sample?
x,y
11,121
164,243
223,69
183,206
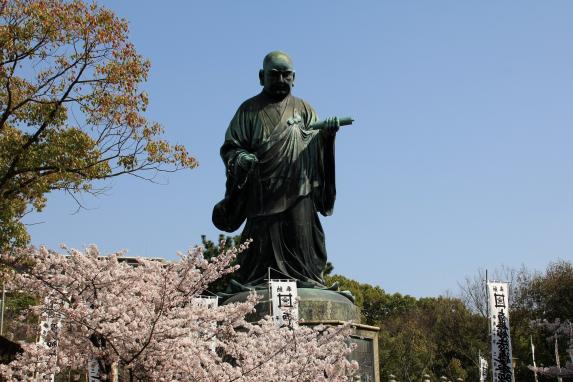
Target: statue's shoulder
x,y
259,102
301,101
253,104
304,106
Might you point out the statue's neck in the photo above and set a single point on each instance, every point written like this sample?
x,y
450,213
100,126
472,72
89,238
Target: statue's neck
x,y
272,98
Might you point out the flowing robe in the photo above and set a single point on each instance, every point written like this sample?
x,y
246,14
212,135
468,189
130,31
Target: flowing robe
x,y
281,194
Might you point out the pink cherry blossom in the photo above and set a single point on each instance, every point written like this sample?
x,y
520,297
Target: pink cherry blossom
x,y
143,319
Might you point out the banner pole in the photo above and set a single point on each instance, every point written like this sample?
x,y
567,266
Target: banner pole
x,y
3,308
533,358
270,297
479,366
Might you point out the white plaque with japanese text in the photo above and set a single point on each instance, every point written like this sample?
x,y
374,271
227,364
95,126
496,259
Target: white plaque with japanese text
x,y
284,302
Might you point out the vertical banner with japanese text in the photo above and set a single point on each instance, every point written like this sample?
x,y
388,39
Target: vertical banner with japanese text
x,y
50,324
498,294
284,303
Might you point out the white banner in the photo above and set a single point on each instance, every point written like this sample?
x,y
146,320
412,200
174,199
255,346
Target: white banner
x,y
499,328
93,371
482,369
284,302
50,325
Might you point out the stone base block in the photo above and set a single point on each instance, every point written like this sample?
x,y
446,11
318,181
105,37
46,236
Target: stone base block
x,y
314,305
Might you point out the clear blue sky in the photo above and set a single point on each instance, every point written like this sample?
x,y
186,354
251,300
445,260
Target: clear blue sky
x,y
460,157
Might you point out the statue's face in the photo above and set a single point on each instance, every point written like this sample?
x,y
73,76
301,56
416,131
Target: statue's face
x,y
277,77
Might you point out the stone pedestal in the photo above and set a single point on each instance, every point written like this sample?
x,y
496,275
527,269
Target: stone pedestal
x,y
314,305
366,353
327,307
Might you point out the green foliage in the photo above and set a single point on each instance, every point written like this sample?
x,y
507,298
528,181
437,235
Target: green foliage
x,y
456,370
457,333
328,269
549,296
541,297
437,336
406,349
71,111
374,303
213,249
19,323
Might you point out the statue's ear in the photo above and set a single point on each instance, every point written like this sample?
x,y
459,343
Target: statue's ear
x,y
262,77
293,78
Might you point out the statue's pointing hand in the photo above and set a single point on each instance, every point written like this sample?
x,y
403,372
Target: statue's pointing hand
x,y
331,126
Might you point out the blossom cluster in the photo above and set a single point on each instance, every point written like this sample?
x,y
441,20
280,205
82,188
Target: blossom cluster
x,y
144,319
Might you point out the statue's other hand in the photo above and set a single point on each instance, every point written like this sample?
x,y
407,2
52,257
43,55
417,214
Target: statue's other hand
x,y
331,126
246,161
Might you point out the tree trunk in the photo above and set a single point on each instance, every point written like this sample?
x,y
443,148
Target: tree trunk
x,y
114,372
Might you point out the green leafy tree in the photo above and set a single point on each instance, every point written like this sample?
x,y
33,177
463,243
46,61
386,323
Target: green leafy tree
x,y
549,295
374,303
435,336
456,370
213,249
19,323
543,298
406,349
71,107
534,297
457,333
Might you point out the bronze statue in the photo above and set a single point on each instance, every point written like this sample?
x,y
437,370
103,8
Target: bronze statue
x,y
280,173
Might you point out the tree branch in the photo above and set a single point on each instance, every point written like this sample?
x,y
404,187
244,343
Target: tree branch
x,y
10,172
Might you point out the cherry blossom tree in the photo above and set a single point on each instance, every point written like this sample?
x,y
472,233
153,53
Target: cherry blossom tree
x,y
144,318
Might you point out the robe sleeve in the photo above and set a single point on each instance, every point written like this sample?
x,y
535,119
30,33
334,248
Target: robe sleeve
x,y
238,141
231,212
324,199
325,196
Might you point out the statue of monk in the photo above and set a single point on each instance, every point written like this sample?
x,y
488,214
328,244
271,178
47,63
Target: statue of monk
x,y
280,175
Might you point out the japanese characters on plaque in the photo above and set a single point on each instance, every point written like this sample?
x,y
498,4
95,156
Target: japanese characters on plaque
x,y
284,302
499,329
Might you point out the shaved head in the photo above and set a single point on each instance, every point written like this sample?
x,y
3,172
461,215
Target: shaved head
x,y
277,57
277,75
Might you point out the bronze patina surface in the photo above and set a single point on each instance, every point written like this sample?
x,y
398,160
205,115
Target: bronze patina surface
x,y
280,176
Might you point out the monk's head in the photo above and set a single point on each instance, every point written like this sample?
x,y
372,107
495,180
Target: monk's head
x,y
277,74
